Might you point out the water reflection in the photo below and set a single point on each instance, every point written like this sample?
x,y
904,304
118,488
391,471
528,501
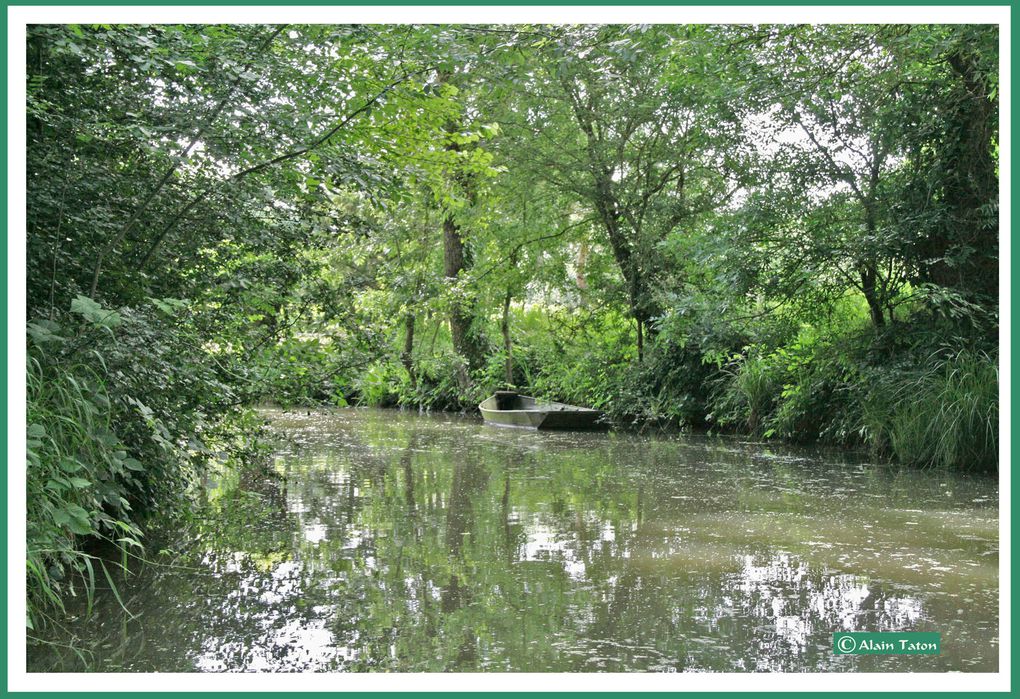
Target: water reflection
x,y
389,541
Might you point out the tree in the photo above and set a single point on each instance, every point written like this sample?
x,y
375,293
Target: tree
x,y
952,152
645,153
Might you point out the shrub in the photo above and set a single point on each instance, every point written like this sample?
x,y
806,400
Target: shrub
x,y
301,371
79,478
379,386
438,384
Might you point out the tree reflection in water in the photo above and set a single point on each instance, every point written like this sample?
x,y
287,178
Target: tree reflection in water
x,y
416,543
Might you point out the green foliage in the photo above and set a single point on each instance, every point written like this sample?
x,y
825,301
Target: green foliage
x,y
576,359
820,371
379,386
78,476
301,372
121,418
670,386
802,387
946,414
438,383
748,389
96,314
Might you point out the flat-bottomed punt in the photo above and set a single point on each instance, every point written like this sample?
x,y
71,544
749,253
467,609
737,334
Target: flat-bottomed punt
x,y
514,410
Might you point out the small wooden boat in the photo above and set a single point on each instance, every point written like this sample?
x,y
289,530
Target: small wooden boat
x,y
514,410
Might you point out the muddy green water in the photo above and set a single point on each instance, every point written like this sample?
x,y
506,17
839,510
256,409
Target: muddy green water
x,y
389,541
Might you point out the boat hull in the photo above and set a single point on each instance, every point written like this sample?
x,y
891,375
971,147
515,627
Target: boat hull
x,y
529,413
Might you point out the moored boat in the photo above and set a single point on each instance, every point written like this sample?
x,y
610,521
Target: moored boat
x,y
511,409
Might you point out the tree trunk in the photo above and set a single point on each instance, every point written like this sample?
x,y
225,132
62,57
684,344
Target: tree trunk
x,y
869,288
638,295
972,182
582,261
456,260
607,206
960,251
465,341
866,268
508,366
405,357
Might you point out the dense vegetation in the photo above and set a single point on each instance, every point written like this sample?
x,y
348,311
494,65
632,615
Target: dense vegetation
x,y
786,231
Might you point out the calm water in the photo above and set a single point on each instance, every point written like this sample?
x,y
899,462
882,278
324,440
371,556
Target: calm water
x,y
393,541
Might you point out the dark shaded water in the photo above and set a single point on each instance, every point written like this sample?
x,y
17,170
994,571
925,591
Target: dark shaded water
x,y
393,541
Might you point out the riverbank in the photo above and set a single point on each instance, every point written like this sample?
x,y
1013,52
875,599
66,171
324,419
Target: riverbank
x,y
903,394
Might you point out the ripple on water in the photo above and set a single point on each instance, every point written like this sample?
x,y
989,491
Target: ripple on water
x,y
387,540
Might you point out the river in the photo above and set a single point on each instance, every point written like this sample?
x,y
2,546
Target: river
x,y
391,541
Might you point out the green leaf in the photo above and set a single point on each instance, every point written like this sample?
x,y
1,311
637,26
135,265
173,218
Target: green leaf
x,y
56,486
133,465
94,313
70,465
79,521
44,331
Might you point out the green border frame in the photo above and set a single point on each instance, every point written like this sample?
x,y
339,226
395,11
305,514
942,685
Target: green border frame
x,y
514,3
4,691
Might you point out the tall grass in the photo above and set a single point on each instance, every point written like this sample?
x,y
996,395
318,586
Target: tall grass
x,y
945,416
75,486
746,393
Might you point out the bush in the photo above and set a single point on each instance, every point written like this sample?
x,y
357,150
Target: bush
x,y
379,386
817,395
300,371
579,363
440,383
79,478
